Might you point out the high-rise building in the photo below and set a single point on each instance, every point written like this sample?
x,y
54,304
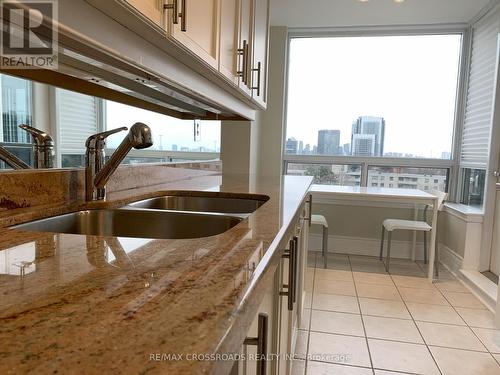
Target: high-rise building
x,y
363,144
291,146
367,137
328,142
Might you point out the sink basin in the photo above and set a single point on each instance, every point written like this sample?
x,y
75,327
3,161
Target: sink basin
x,y
201,204
135,223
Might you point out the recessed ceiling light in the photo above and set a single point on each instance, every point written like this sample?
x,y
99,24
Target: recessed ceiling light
x,y
399,1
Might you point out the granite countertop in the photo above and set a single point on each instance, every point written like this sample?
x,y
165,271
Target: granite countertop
x,y
85,306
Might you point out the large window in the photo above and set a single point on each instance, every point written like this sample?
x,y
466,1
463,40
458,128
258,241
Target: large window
x,y
356,100
388,96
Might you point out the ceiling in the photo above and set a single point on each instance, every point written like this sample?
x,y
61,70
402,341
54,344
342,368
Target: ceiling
x,y
338,13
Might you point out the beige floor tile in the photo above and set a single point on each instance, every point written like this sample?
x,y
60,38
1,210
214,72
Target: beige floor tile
x,y
458,337
392,329
477,318
378,291
402,356
298,367
328,274
375,268
385,308
372,278
345,288
307,299
429,296
347,350
497,357
463,300
305,320
301,344
309,281
415,270
335,322
434,313
412,282
321,368
451,286
333,302
383,372
490,338
463,362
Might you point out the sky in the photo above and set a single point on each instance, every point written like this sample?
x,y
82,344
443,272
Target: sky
x,y
410,81
166,130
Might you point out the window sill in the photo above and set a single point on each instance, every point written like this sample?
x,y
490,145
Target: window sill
x,y
469,214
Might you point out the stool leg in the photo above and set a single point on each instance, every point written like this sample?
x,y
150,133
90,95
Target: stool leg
x,y
382,243
425,247
389,237
325,245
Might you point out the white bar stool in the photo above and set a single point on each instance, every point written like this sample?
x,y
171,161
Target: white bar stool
x,y
391,225
320,220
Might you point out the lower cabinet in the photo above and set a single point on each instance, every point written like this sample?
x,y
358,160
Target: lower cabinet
x,y
275,326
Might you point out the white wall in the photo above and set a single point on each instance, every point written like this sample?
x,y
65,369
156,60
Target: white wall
x,y
338,13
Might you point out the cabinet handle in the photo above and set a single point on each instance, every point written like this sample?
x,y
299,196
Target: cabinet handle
x,y
176,14
290,293
261,342
295,266
183,15
175,10
243,73
310,202
258,70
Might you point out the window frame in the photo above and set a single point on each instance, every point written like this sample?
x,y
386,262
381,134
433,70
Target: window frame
x,y
452,164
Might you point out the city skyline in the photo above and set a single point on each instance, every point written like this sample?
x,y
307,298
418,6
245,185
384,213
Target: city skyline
x,y
367,136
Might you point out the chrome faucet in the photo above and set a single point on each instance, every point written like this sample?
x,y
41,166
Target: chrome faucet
x,y
43,147
97,171
12,160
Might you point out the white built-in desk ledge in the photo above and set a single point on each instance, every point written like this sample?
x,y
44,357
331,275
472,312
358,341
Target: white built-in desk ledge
x,y
469,214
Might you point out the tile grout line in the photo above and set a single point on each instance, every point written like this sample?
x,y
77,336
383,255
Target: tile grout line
x,y
310,316
470,328
418,329
361,316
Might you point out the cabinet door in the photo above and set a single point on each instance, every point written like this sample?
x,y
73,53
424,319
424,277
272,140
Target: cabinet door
x,y
200,21
285,321
152,9
260,51
245,45
269,306
229,37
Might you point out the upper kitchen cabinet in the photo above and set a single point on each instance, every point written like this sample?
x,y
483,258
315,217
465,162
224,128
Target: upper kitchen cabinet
x,y
223,41
258,63
229,39
195,24
151,9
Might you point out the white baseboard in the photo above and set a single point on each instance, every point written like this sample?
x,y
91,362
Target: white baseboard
x,y
364,246
450,260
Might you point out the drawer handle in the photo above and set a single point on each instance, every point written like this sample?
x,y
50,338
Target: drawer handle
x,y
258,70
295,267
261,342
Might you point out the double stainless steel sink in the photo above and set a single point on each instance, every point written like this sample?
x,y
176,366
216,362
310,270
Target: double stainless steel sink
x,y
165,217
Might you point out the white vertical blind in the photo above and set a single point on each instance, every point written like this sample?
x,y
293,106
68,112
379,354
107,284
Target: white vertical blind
x,y
77,120
480,92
